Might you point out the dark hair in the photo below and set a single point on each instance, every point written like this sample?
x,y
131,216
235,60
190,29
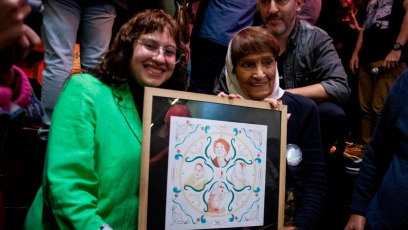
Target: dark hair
x,y
114,67
360,5
252,40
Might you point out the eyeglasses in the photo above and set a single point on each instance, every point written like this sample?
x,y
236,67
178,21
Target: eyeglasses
x,y
170,53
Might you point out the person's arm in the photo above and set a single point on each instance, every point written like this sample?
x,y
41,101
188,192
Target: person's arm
x,y
70,182
387,140
393,57
354,60
315,92
330,70
356,222
353,23
328,79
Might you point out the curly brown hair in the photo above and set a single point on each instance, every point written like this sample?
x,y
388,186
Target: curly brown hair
x,y
114,67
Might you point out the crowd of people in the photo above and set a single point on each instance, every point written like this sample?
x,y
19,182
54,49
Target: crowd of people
x,y
353,60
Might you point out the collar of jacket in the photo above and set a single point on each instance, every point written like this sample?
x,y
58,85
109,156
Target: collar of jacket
x,y
127,107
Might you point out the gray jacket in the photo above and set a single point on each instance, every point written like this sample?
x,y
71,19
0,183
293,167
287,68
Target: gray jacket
x,y
311,58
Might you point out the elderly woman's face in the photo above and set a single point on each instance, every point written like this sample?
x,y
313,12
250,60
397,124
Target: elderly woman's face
x,y
152,63
256,75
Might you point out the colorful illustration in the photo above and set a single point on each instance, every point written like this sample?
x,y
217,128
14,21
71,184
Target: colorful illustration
x,y
197,180
215,174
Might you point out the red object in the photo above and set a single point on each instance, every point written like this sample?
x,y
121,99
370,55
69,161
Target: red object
x,y
39,48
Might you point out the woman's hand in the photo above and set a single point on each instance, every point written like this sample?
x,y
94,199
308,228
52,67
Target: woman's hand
x,y
12,15
356,222
353,24
275,103
354,62
230,96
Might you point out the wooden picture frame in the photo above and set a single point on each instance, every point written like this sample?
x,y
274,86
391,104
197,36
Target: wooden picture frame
x,y
152,205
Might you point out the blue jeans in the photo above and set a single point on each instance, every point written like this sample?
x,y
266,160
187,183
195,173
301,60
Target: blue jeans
x,y
62,21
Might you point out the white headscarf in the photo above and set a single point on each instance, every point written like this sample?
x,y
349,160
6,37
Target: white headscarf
x,y
233,84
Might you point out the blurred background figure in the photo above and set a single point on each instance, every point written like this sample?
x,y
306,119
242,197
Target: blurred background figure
x,y
343,22
88,157
215,23
65,22
310,11
381,44
380,198
16,42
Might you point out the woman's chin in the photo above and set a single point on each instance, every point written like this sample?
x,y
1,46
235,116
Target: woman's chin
x,y
154,83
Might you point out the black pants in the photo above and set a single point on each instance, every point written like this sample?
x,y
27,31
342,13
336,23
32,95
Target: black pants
x,y
332,124
207,62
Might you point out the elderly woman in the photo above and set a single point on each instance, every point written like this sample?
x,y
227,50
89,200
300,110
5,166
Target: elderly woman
x,y
92,166
251,73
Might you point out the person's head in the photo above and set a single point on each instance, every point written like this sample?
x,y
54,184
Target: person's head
x,y
350,4
239,170
198,170
279,16
346,3
254,52
219,188
148,50
177,110
221,148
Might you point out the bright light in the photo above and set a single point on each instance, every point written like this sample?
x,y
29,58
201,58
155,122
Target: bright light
x,y
175,101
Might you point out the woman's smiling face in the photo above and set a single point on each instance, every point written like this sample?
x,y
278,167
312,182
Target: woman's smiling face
x,y
256,75
149,68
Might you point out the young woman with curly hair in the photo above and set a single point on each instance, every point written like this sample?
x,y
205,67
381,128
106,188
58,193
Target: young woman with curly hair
x,y
92,165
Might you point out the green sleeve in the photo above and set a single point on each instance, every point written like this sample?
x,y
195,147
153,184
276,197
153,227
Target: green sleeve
x,y
70,183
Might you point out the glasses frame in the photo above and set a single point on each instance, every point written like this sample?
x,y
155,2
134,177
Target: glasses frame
x,y
157,52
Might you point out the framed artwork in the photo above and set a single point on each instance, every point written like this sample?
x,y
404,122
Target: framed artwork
x,y
210,162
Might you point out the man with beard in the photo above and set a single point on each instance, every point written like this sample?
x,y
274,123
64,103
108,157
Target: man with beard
x,y
308,64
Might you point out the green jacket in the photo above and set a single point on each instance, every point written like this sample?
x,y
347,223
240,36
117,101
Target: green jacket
x,y
92,165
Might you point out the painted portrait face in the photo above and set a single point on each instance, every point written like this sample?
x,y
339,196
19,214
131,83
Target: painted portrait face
x,y
220,151
220,188
279,15
152,62
256,75
239,170
198,171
